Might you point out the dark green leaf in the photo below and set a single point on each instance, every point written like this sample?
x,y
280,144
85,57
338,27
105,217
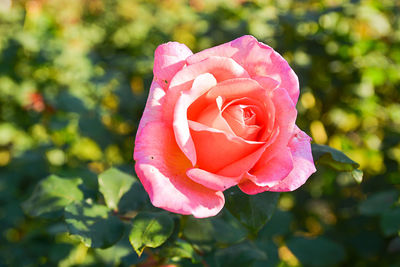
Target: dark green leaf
x,y
390,221
278,225
227,229
318,251
377,203
113,184
253,211
180,249
271,250
93,224
333,158
150,229
243,254
51,195
224,228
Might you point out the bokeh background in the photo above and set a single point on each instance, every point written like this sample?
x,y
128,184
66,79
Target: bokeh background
x,y
74,77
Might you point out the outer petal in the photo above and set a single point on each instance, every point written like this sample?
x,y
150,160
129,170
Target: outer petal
x,y
285,118
154,106
273,171
169,58
161,167
303,167
258,59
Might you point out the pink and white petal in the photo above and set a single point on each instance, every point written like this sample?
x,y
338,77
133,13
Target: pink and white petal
x,y
169,58
221,68
212,180
237,88
213,146
201,85
267,83
285,118
303,163
161,167
154,106
274,170
303,168
258,59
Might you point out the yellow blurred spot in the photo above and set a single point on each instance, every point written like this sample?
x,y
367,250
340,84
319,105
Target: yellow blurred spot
x,y
335,142
183,34
96,167
56,157
318,132
107,120
313,226
286,202
5,157
307,100
113,155
86,149
124,128
39,132
137,85
287,256
394,153
111,101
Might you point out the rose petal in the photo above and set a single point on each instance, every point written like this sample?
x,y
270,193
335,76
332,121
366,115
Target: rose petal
x,y
303,167
213,147
161,167
153,110
220,68
274,170
169,58
212,180
258,59
285,118
180,124
212,117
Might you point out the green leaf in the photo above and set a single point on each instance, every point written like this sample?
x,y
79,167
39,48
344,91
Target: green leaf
x,y
378,203
318,251
223,228
278,225
243,254
252,211
93,224
51,195
113,184
333,158
181,249
150,229
390,221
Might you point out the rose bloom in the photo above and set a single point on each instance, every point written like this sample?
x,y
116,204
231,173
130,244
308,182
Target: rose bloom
x,y
215,119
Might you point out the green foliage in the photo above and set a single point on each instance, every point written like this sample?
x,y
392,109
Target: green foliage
x,y
316,251
150,230
51,195
252,211
93,224
113,184
74,77
333,158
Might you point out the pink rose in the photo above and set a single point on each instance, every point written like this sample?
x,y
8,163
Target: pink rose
x,y
222,117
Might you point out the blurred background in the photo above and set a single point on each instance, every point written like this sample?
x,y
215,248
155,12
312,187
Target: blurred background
x,y
74,77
